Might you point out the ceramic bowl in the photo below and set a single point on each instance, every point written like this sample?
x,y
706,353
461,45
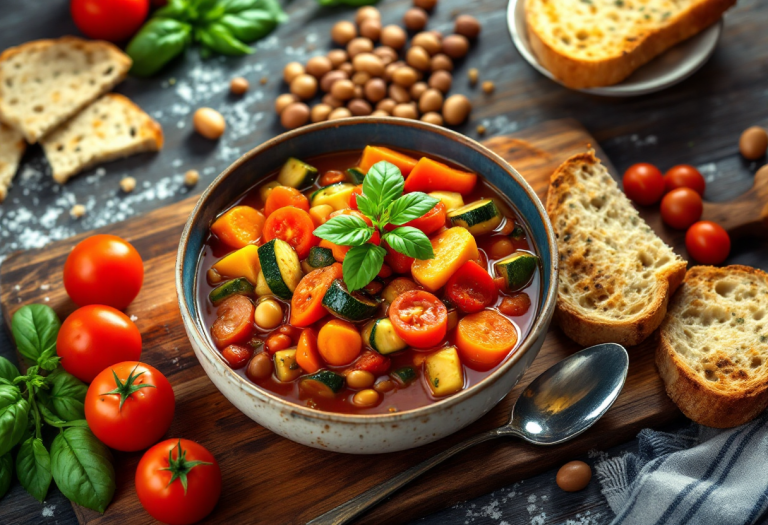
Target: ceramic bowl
x,y
363,434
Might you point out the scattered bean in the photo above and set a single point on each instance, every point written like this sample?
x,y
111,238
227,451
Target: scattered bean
x,y
441,80
339,113
359,107
209,123
371,28
369,63
441,62
332,101
360,78
480,129
473,75
456,109
128,184
393,36
291,71
337,57
343,32
391,68
428,41
418,89
399,94
387,105
386,54
343,89
260,367
304,86
320,112
455,46
418,58
367,12
359,45
238,85
191,177
467,26
319,66
77,211
433,118
574,476
415,19
430,100
488,87
407,110
753,143
375,90
295,115
329,78
404,76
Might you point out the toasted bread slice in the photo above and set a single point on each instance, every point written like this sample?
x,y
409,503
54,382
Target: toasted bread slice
x,y
601,42
110,128
12,147
45,82
713,355
616,275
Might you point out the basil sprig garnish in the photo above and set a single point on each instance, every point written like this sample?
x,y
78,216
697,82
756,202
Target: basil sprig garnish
x,y
384,204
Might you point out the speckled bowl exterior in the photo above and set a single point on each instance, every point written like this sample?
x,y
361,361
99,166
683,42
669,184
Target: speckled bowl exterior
x,y
363,434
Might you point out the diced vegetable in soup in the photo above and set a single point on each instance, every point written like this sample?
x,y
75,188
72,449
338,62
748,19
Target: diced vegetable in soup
x,y
368,282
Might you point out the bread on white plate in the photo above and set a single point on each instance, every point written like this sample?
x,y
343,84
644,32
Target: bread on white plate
x,y
616,275
594,43
45,82
713,355
12,147
110,128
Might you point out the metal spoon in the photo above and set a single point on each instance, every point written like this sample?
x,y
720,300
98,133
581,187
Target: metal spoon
x,y
557,406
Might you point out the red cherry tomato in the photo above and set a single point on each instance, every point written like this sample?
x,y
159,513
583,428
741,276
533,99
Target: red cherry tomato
x,y
159,482
471,288
103,269
708,242
643,183
95,337
112,20
681,207
400,263
133,414
294,226
419,318
684,176
372,362
353,196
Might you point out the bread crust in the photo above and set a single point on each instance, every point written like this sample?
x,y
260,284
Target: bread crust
x,y
577,73
696,397
589,331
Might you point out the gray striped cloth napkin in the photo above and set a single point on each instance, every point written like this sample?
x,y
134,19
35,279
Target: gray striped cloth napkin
x,y
698,476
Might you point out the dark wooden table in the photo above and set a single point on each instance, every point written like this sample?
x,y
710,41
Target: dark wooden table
x,y
696,122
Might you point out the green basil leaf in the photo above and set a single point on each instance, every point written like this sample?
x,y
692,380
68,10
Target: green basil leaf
x,y
176,9
345,230
67,395
159,41
33,468
411,206
35,327
362,264
383,184
249,26
366,206
6,473
217,37
82,467
272,7
411,242
14,410
8,370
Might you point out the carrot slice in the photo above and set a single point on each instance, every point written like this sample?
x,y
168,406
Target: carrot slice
x,y
374,154
307,356
339,252
293,226
234,323
484,339
339,342
429,175
307,301
239,227
283,196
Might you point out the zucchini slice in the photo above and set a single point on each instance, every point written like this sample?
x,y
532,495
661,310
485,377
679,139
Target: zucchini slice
x,y
297,174
397,286
351,306
381,336
320,257
335,195
405,375
517,269
478,217
323,383
280,269
355,175
451,199
286,367
237,286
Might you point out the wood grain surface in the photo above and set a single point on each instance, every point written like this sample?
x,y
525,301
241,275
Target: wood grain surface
x,y
259,466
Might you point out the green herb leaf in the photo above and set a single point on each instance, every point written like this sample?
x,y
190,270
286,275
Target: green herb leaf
x,y
67,395
55,421
362,264
345,230
383,184
176,9
8,370
217,37
82,467
156,44
33,468
13,417
6,473
411,242
367,207
35,327
411,206
250,20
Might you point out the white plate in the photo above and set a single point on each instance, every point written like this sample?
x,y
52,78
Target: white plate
x,y
669,68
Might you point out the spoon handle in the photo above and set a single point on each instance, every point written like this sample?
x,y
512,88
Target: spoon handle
x,y
348,511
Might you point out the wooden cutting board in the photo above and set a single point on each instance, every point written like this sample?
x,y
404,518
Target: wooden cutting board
x,y
268,479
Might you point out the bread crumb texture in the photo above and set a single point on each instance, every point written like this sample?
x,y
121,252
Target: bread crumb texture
x,y
12,147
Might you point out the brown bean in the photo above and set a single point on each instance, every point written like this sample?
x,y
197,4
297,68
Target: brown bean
x,y
417,57
366,398
339,113
425,4
441,62
343,89
387,105
291,71
456,109
360,78
379,113
347,68
433,118
417,89
209,123
430,100
404,76
428,41
393,36
295,115
358,93
337,57
371,28
283,100
467,26
367,12
405,111
359,379
753,143
319,66
342,32
359,45
488,87
384,386
332,101
441,80
369,63
320,112
455,46
238,85
391,68
473,74
415,19
375,90
329,78
399,94
574,476
260,367
386,54
304,86
359,107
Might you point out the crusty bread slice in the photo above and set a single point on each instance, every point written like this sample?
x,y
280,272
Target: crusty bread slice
x,y
616,275
591,43
713,355
45,82
110,128
12,146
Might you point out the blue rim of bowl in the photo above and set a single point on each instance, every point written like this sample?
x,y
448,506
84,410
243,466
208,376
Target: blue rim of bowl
x,y
538,329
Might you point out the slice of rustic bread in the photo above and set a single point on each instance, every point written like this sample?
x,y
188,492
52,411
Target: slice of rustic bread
x,y
591,43
616,275
713,355
12,147
110,128
45,82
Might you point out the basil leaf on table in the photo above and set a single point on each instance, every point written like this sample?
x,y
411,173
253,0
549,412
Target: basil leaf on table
x,y
251,20
362,264
67,395
8,370
176,9
159,41
411,242
55,421
82,467
411,206
345,230
6,473
35,327
33,468
217,37
271,7
14,410
383,184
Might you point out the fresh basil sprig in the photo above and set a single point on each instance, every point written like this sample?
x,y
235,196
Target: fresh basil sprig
x,y
383,202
